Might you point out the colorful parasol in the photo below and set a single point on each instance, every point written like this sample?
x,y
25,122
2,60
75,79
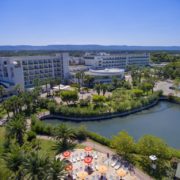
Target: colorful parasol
x,y
102,169
66,154
88,148
88,159
121,173
82,174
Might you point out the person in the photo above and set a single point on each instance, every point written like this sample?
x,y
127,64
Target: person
x,y
107,155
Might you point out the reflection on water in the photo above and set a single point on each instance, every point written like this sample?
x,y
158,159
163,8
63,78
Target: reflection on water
x,y
162,120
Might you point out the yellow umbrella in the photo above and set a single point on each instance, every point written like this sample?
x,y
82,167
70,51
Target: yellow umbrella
x,y
102,169
82,174
121,173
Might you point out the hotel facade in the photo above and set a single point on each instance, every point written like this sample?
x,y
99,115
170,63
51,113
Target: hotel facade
x,y
24,70
104,60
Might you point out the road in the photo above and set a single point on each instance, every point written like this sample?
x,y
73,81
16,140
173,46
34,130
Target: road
x,y
165,87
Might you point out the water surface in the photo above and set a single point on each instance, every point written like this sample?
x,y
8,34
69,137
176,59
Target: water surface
x,y
163,120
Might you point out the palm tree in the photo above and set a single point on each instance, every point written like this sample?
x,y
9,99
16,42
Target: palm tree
x,y
104,88
80,77
35,166
16,128
58,82
64,136
56,170
7,106
88,80
27,100
2,92
14,160
97,87
18,89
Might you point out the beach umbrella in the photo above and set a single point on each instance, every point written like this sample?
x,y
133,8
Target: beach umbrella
x,y
121,173
82,174
88,148
66,154
88,160
102,169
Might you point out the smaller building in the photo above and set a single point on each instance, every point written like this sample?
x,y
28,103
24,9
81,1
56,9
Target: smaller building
x,y
105,75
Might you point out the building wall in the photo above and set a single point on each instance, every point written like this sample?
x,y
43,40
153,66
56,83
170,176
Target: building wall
x,y
24,70
117,61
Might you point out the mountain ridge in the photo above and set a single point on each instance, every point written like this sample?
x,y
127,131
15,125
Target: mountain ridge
x,y
86,47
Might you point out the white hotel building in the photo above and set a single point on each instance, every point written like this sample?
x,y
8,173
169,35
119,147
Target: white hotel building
x,y
104,60
24,70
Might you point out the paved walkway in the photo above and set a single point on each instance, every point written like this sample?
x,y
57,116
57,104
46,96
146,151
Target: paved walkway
x,y
165,87
104,149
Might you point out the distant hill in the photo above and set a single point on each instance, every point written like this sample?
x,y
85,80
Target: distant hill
x,y
89,48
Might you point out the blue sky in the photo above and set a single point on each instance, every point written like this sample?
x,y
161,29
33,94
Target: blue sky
x,y
106,22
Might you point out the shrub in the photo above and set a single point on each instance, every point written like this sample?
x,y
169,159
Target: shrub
x,y
81,133
98,138
84,102
52,107
137,92
69,96
31,135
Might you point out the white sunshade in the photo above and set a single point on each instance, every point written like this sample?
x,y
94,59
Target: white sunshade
x,y
153,157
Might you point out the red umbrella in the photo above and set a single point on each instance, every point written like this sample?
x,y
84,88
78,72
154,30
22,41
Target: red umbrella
x,y
88,159
66,154
88,148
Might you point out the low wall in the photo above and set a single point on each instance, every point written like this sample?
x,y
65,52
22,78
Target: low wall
x,y
100,117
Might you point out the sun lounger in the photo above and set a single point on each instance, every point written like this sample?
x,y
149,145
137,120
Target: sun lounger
x,y
97,167
118,165
114,163
73,159
82,156
95,156
78,158
74,176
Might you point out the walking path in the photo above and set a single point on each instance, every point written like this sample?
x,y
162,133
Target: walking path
x,y
104,149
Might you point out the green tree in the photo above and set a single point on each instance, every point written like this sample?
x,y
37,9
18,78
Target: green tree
x,y
64,136
104,88
18,89
69,96
16,128
123,143
137,92
80,77
176,84
151,145
35,167
146,87
114,81
56,170
98,99
97,88
2,92
88,80
14,160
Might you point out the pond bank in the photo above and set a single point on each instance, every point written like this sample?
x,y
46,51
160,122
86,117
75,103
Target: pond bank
x,y
100,117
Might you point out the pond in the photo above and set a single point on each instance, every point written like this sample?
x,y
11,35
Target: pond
x,y
163,120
